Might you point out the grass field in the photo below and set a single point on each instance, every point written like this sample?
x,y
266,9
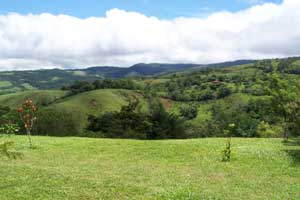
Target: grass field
x,y
80,168
4,84
38,96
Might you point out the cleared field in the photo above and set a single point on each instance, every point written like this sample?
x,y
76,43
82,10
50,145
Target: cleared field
x,y
96,101
38,96
80,168
4,84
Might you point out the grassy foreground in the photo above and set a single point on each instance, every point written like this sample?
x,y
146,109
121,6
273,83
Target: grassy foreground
x,y
80,168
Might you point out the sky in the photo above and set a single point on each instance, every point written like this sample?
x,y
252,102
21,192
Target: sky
x,y
37,34
166,9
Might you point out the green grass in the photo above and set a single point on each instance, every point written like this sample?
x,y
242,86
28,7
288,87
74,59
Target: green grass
x,y
80,168
5,84
27,86
97,101
79,73
38,96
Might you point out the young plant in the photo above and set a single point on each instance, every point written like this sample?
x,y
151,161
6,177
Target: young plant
x,y
5,149
226,153
27,114
9,129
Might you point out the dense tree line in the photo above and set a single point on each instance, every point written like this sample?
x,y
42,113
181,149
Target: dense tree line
x,y
157,124
289,65
84,86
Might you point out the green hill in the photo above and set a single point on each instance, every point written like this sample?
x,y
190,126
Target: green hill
x,y
78,107
15,81
40,97
202,98
97,101
81,168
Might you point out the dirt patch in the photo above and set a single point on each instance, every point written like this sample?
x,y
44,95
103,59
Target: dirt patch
x,y
166,103
93,103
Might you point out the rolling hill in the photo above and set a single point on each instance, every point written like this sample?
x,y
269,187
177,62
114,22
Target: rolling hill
x,y
80,106
204,89
16,81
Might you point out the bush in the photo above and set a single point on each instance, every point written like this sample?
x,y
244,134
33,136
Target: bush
x,y
9,129
199,130
226,153
265,130
57,122
189,111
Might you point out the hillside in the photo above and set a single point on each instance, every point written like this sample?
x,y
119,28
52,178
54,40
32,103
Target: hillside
x,y
81,168
78,106
40,97
202,98
15,81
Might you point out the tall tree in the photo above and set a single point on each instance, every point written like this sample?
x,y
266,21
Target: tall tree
x,y
283,94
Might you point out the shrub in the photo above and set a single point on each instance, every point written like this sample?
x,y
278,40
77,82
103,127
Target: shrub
x,y
265,130
189,111
9,129
226,153
58,122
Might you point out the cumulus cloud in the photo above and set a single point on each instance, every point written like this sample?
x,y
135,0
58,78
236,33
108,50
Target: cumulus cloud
x,y
123,38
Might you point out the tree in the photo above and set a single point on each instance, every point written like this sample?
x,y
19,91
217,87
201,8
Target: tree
x,y
27,115
283,95
189,111
223,91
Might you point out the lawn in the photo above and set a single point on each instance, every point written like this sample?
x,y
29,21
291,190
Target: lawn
x,y
81,168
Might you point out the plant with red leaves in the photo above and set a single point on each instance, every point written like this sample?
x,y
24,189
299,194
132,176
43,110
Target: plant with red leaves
x,y
27,114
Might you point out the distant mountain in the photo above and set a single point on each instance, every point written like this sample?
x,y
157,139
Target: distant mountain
x,y
231,63
151,69
143,69
14,81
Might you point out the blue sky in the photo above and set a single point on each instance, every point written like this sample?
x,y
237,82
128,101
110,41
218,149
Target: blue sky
x,y
160,8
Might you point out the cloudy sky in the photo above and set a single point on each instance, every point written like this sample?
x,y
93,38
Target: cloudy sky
x,y
38,34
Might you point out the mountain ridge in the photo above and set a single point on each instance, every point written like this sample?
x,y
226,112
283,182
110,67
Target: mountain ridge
x,y
15,81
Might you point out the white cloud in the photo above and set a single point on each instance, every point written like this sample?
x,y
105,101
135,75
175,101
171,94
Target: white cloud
x,y
124,38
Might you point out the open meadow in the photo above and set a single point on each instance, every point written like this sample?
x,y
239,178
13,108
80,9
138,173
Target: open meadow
x,y
82,168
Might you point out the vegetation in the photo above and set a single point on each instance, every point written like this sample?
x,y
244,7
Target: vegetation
x,y
252,99
258,98
27,114
84,86
127,123
16,81
226,153
6,149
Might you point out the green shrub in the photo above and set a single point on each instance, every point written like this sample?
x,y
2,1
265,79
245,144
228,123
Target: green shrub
x,y
9,129
58,122
265,130
226,153
189,111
